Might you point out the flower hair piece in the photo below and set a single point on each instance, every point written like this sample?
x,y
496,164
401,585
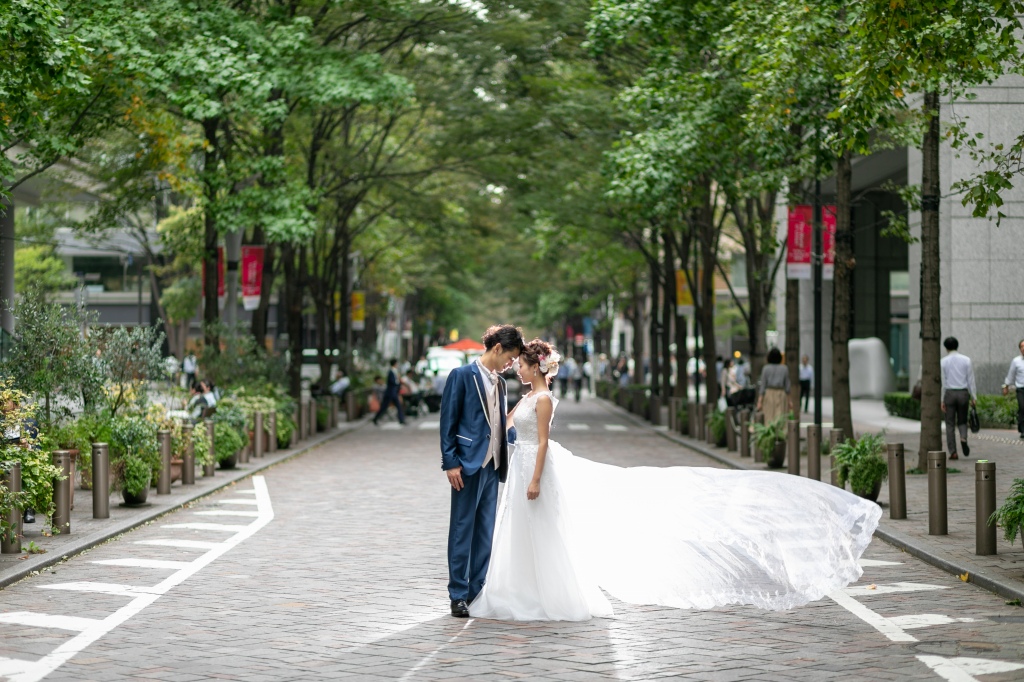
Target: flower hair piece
x,y
547,361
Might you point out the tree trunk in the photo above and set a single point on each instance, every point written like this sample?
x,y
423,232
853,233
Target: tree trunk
x,y
211,311
668,315
841,299
706,311
793,339
655,336
638,334
931,322
293,308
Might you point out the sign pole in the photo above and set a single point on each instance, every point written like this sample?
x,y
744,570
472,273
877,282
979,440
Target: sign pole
x,y
816,267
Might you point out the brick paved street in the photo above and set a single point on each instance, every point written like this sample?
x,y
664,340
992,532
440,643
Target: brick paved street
x,y
339,572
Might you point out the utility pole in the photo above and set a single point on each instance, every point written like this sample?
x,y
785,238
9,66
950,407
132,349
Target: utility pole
x,y
817,260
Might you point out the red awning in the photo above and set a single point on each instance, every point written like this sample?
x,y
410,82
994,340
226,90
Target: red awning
x,y
466,346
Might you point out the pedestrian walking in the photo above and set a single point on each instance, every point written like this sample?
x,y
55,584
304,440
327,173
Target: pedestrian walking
x,y
1015,378
189,365
773,388
806,382
391,394
563,379
958,393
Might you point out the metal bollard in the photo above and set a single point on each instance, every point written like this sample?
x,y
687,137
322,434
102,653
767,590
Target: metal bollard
x,y
937,518
671,414
272,433
654,410
163,479
691,419
793,446
702,415
10,478
351,406
100,481
314,407
984,506
730,429
258,435
303,417
210,467
897,482
814,452
61,520
334,411
835,436
744,434
188,466
294,439
709,435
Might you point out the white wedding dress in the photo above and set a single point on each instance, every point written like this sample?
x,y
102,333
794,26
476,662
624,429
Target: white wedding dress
x,y
680,536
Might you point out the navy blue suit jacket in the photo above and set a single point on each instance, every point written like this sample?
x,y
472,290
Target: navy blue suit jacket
x,y
465,432
393,381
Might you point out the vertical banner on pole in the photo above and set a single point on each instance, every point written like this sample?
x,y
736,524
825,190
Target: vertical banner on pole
x,y
684,298
828,241
799,243
358,311
220,272
252,276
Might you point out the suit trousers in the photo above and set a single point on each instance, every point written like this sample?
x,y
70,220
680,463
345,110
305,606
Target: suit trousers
x,y
957,401
1020,410
470,530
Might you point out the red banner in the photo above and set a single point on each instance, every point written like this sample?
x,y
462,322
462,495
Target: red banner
x,y
220,272
828,241
252,276
799,243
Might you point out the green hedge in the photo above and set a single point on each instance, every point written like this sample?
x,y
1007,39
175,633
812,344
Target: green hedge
x,y
902,405
994,411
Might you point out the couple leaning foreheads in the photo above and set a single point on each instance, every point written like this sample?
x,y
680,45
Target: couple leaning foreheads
x,y
566,531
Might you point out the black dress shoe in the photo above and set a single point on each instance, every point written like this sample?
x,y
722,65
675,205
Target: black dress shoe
x,y
460,609
966,448
29,516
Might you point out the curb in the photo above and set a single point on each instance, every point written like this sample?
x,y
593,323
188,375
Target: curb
x,y
1009,590
37,562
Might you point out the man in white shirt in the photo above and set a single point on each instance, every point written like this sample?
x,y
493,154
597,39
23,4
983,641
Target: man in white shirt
x,y
1015,378
958,392
806,382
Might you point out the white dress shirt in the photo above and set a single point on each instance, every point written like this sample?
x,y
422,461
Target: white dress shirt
x,y
807,373
494,418
958,373
1015,377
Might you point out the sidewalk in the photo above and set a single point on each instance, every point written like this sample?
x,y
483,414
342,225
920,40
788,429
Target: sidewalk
x,y
87,532
1002,573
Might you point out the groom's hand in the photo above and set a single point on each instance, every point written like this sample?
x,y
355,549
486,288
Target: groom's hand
x,y
455,477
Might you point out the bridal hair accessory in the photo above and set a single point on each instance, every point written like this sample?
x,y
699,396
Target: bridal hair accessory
x,y
546,361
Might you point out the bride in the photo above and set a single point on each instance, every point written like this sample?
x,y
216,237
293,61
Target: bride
x,y
570,529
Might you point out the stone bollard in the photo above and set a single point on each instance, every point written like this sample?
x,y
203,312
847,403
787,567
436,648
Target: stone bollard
x,y
210,467
272,433
937,518
793,446
835,436
188,467
730,429
100,481
10,478
814,452
163,479
897,481
61,521
258,436
744,434
984,507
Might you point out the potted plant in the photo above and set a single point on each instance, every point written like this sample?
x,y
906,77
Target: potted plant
x,y
770,440
21,444
861,463
134,456
230,433
717,425
1011,515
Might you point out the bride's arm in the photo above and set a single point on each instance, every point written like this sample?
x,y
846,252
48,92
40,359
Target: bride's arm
x,y
544,410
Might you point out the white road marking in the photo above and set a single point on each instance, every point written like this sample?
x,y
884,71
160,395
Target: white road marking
x,y
246,492
963,669
866,591
427,426
925,620
143,563
187,544
248,502
391,426
409,674
884,625
205,526
227,512
45,620
32,671
101,588
865,563
579,427
615,427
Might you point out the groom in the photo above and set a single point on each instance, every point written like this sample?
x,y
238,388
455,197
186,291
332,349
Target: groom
x,y
474,455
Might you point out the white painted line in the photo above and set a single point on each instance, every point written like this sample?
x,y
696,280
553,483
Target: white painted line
x,y
247,502
187,544
206,526
579,427
411,672
102,588
865,563
891,630
12,667
866,591
246,492
35,671
427,426
926,620
615,427
143,563
45,620
391,426
963,669
228,512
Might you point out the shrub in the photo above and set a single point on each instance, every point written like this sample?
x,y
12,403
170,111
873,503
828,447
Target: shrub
x,y
133,437
135,475
997,411
226,440
201,446
285,427
717,426
902,405
1011,515
861,463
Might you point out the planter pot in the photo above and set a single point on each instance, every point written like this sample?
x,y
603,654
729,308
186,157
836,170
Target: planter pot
x,y
873,495
230,462
135,500
776,457
177,466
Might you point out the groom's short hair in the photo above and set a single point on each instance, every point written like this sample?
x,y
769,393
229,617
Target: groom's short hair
x,y
510,338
